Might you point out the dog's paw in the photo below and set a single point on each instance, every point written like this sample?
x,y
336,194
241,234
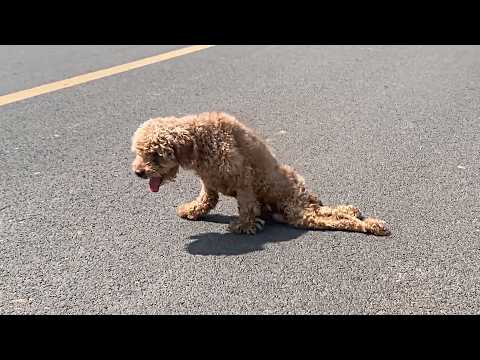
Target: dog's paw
x,y
259,224
250,229
349,210
377,227
189,211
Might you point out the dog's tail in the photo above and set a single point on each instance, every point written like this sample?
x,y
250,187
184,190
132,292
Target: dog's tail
x,y
327,218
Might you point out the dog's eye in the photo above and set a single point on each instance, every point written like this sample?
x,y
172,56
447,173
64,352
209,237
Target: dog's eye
x,y
155,160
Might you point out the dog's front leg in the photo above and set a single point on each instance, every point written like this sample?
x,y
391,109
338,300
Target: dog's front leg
x,y
194,210
249,209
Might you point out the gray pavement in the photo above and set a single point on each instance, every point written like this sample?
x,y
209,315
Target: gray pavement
x,y
24,67
394,130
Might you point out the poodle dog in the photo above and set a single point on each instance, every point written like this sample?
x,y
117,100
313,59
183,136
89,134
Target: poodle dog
x,y
232,160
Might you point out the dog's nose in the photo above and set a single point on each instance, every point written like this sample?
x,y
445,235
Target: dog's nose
x,y
140,173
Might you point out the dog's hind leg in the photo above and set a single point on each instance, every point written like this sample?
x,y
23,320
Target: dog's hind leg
x,y
206,201
326,218
349,210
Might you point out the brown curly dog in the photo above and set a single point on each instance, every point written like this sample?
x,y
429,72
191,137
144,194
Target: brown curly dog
x,y
231,159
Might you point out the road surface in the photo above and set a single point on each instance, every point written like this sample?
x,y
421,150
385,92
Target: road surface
x,y
394,130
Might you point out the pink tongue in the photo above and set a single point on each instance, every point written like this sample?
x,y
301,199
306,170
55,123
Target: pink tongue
x,y
155,183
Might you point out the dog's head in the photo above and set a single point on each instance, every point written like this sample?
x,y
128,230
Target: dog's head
x,y
155,158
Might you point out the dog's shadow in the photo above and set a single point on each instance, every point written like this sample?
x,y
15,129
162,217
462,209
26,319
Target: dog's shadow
x,y
233,244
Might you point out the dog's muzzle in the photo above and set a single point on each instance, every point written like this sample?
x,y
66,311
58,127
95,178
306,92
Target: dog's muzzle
x,y
141,174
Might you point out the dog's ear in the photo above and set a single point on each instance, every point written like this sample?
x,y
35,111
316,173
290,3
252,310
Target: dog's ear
x,y
165,152
184,151
175,151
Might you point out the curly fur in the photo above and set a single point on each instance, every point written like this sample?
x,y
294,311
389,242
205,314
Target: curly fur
x,y
232,160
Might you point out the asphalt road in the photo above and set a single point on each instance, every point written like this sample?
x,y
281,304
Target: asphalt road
x,y
394,130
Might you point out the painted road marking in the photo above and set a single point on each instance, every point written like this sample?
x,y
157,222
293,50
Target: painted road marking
x,y
81,79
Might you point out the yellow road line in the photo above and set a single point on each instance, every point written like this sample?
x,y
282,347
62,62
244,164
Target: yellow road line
x,y
81,79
